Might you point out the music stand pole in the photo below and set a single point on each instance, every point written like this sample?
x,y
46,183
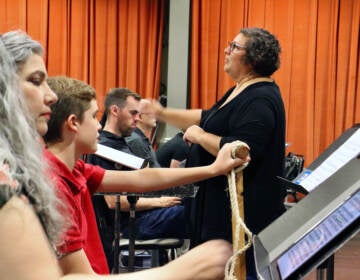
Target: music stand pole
x,y
325,271
116,244
131,260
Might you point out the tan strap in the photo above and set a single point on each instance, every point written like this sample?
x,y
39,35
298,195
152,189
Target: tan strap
x,y
254,81
246,84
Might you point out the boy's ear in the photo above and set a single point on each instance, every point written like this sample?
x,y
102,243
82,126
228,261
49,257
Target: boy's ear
x,y
72,122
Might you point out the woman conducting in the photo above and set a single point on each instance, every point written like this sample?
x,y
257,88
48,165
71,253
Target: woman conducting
x,y
251,111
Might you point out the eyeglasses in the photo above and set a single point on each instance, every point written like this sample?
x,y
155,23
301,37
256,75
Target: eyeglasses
x,y
234,45
151,115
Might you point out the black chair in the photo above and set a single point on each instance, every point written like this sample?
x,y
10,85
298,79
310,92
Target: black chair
x,y
156,246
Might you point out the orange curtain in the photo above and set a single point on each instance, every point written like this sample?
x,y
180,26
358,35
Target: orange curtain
x,y
107,43
319,73
112,43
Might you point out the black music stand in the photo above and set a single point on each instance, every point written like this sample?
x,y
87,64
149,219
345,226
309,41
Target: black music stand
x,y
131,261
312,230
326,269
116,248
330,182
132,162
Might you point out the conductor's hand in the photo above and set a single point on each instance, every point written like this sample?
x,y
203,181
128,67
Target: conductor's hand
x,y
157,108
225,162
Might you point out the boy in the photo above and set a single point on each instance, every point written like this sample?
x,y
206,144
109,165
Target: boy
x,y
73,131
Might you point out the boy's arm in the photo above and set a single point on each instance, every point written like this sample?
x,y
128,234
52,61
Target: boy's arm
x,y
149,179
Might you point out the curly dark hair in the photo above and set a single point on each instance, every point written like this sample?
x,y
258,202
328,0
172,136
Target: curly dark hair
x,y
262,50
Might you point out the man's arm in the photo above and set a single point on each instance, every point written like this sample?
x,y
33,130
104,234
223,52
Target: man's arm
x,y
143,203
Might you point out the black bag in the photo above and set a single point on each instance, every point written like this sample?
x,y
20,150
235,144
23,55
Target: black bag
x,y
294,165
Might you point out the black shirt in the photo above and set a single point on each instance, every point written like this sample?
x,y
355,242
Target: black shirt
x,y
255,116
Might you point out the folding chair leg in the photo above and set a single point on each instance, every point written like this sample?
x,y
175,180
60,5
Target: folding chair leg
x,y
155,258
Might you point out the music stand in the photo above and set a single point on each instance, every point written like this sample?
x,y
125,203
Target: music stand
x,y
313,229
188,190
339,153
132,162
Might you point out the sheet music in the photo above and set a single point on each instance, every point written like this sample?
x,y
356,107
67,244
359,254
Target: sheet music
x,y
123,158
347,151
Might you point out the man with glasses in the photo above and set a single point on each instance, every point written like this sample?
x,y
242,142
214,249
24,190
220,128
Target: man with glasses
x,y
140,140
157,217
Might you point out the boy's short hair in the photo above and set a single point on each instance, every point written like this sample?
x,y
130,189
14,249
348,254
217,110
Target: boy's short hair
x,y
74,97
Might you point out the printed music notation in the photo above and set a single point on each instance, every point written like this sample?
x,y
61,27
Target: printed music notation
x,y
347,151
319,236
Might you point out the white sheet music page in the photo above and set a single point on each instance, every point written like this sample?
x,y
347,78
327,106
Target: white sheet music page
x,y
341,156
126,159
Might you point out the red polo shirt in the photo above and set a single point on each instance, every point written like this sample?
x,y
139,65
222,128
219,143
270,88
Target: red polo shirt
x,y
75,189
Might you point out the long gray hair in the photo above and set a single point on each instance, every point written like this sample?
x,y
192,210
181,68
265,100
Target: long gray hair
x,y
20,148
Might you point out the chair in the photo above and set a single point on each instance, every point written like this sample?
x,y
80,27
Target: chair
x,y
155,246
131,244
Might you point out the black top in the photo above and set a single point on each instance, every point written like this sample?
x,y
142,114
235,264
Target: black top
x,y
257,117
102,210
141,146
176,148
109,139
